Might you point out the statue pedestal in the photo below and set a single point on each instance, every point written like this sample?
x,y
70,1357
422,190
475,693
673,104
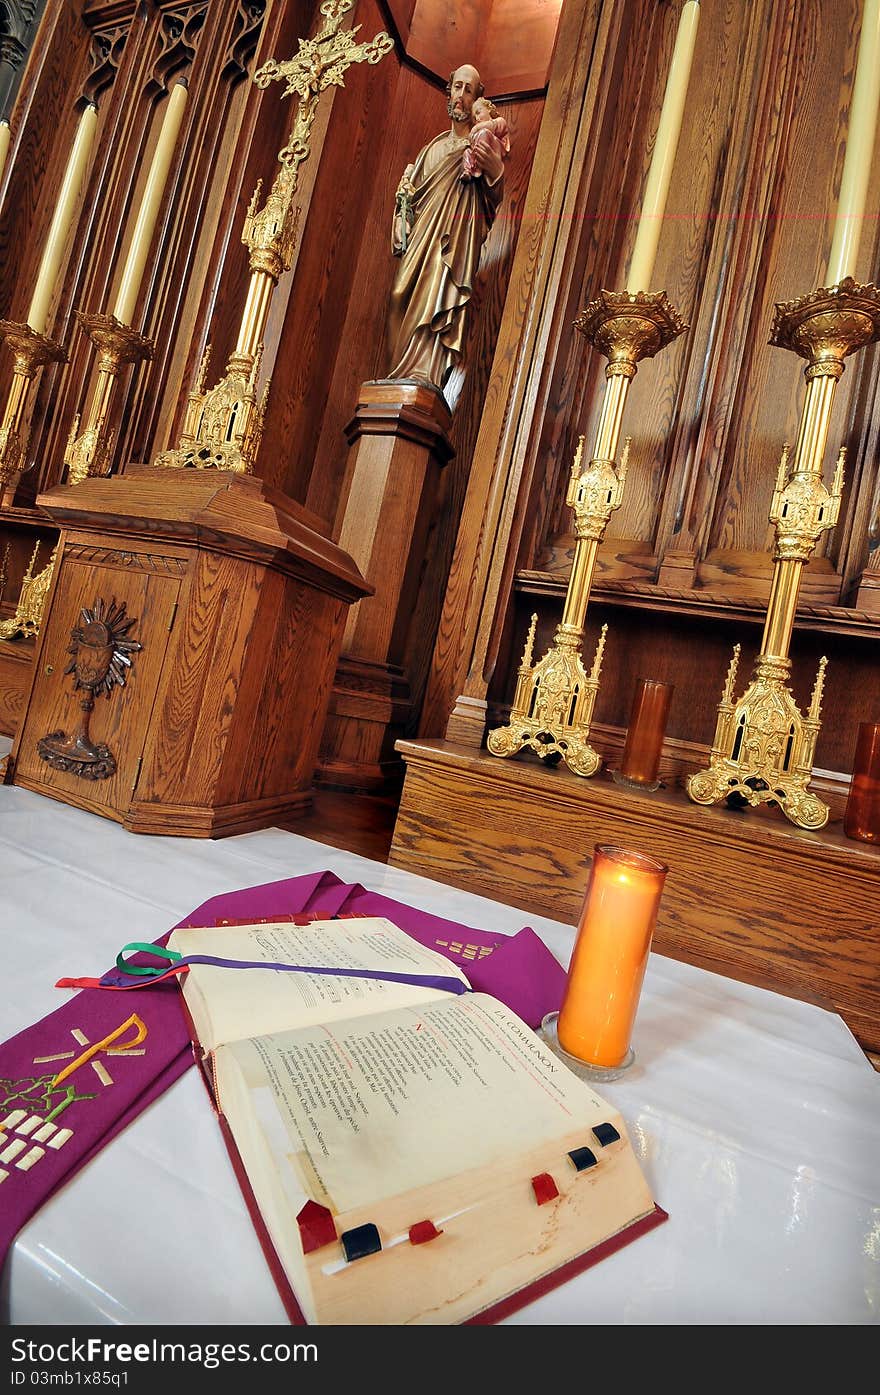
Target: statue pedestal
x,y
868,591
399,443
237,607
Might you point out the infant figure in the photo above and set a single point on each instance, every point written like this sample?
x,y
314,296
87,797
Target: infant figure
x,y
486,121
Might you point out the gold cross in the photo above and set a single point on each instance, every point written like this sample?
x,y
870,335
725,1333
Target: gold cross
x,y
318,63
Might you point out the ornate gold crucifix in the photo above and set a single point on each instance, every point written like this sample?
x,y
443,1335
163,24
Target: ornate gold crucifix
x,y
224,424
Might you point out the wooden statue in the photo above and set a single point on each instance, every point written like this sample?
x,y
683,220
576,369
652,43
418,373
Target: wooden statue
x,y
441,219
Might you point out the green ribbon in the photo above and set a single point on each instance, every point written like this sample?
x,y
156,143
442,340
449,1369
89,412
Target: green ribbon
x,y
139,947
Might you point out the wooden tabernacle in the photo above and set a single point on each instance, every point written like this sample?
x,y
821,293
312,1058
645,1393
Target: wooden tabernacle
x,y
237,607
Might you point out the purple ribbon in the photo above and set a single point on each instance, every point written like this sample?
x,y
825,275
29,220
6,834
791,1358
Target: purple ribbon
x,y
116,979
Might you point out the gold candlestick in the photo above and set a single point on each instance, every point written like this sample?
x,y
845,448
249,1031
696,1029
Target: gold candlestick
x,y
553,707
763,749
224,425
32,351
88,451
31,601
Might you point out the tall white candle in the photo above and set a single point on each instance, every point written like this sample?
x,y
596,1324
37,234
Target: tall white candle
x,y
5,138
641,265
62,220
132,275
859,149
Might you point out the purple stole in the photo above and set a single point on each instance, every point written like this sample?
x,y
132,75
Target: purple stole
x,y
127,1048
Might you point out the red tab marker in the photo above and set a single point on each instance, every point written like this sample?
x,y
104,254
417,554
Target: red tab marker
x,y
422,1232
544,1187
316,1227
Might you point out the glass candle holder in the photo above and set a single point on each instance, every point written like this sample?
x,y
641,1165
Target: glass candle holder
x,y
644,736
593,1027
862,816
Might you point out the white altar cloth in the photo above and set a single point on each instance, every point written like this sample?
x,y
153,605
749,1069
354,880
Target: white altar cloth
x,y
755,1117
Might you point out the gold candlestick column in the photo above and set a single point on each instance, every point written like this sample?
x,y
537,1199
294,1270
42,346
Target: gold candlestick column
x,y
763,749
88,452
32,351
553,708
224,425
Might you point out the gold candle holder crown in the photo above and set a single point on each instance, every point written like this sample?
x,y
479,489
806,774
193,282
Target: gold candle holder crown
x,y
32,351
89,452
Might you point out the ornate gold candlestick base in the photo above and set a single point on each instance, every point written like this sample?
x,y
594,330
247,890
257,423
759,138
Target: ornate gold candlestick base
x,y
32,351
88,452
223,425
763,749
553,708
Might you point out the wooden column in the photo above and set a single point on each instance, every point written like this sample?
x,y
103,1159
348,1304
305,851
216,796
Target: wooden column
x,y
399,443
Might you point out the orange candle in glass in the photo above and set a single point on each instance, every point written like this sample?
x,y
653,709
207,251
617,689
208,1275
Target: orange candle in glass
x,y
610,956
640,764
862,817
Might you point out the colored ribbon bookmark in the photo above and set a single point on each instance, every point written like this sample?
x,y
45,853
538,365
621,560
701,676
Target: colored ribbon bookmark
x,y
145,976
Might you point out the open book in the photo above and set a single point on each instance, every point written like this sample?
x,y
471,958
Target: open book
x,y
410,1155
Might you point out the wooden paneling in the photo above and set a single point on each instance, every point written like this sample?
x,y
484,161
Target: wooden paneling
x,y
599,57
230,717
752,898
16,658
748,223
127,55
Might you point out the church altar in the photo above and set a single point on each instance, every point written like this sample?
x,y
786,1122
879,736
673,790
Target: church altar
x,y
755,1117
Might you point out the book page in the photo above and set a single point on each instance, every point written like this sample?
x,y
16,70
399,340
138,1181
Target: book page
x,y
383,1104
228,1004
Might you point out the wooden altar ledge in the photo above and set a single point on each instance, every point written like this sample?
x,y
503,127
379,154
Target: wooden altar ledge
x,y
747,895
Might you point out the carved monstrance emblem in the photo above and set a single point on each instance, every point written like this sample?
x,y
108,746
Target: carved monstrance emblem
x,y
100,647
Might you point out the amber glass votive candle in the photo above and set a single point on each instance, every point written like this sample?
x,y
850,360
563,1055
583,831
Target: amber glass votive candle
x,y
644,736
862,816
609,959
